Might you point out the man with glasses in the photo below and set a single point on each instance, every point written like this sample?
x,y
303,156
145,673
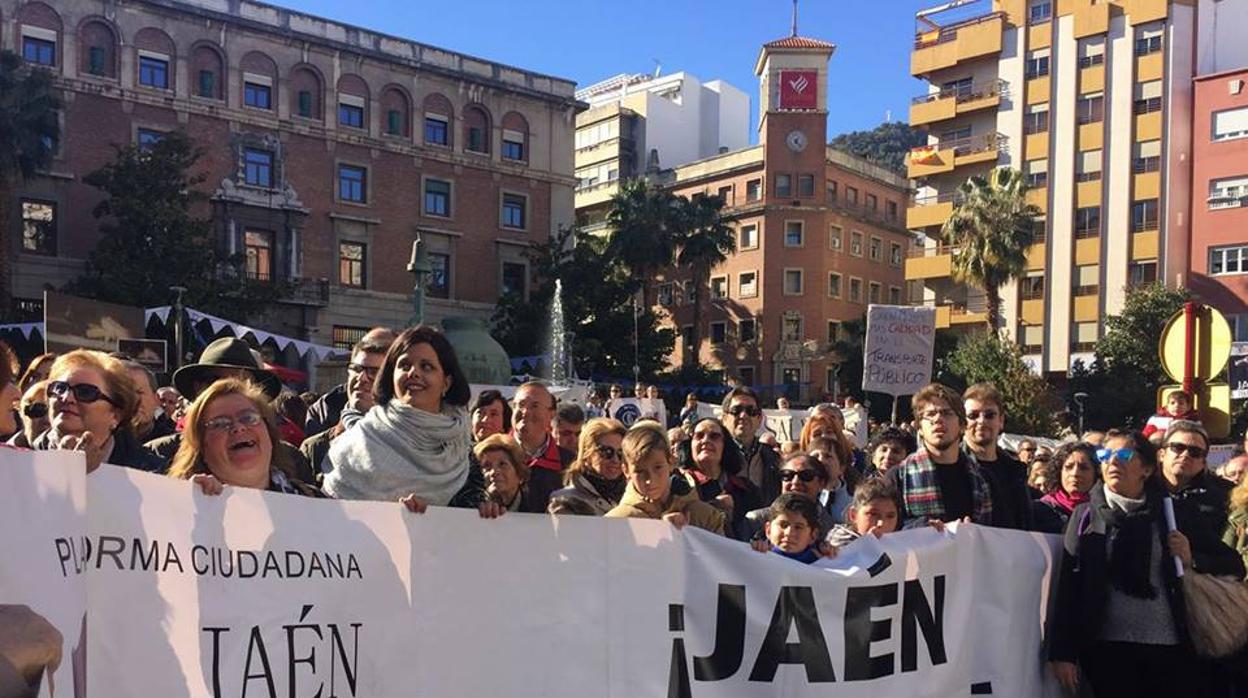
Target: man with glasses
x,y
743,416
985,420
940,481
367,357
1201,499
327,410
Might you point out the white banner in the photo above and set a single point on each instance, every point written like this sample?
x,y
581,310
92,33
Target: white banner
x,y
260,594
901,341
631,409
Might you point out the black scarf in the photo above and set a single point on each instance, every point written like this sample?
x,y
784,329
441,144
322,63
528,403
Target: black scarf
x,y
611,490
1131,544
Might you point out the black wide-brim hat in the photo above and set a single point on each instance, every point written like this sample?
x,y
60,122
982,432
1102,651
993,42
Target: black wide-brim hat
x,y
227,352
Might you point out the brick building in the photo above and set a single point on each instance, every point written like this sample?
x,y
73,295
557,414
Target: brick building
x,y
329,148
820,234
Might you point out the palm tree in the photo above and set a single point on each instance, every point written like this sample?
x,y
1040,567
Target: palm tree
x,y
991,227
645,221
704,243
29,131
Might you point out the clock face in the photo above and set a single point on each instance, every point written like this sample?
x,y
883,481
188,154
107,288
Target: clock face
x,y
796,140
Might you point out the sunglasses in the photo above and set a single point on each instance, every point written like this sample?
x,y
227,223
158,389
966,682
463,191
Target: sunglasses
x,y
610,452
36,410
1105,455
746,410
803,475
974,415
1179,449
83,392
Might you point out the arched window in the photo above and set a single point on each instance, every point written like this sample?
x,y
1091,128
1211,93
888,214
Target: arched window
x,y
352,102
476,129
97,52
207,72
438,117
156,54
259,81
396,112
515,137
307,95
39,34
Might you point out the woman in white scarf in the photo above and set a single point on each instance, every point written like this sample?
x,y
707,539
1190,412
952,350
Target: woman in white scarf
x,y
413,445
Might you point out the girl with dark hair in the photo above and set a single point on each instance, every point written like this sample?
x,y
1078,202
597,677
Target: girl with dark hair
x,y
712,463
1073,469
414,443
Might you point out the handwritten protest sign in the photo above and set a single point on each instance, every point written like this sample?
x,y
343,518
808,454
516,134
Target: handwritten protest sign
x,y
900,344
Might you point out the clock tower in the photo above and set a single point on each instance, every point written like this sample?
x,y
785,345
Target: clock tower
x,y
793,104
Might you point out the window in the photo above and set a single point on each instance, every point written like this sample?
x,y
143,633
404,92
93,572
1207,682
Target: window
x,y
1144,215
749,237
1039,11
513,146
514,210
851,196
208,85
394,122
257,95
1090,109
961,88
351,113
38,227
794,235
1083,335
147,138
1147,97
1031,287
1091,52
719,332
1088,222
894,254
805,185
1037,172
1087,280
346,337
873,292
875,249
515,280
873,202
834,331
894,295
1231,192
39,51
664,294
437,197
1228,260
1146,157
1033,339
351,264
1036,119
1088,166
438,285
719,287
746,374
834,285
747,284
1037,65
834,237
891,211
753,190
831,193
97,60
436,131
784,185
477,141
855,243
855,290
791,328
258,167
1230,123
747,331
154,72
794,283
258,247
1148,39
352,184
1142,273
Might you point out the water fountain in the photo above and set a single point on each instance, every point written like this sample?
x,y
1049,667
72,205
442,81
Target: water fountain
x,y
558,339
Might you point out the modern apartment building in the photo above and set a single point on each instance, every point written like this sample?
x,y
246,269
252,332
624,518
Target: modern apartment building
x,y
820,234
328,149
638,123
1093,100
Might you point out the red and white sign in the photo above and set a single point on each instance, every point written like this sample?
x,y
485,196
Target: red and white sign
x,y
799,89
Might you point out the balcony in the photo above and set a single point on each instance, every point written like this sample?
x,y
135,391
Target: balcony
x,y
943,157
930,211
950,315
930,263
952,101
937,47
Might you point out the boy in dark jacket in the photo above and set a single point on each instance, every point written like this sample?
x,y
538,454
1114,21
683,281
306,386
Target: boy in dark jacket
x,y
793,528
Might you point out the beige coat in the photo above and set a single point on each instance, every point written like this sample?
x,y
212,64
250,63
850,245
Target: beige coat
x,y
633,506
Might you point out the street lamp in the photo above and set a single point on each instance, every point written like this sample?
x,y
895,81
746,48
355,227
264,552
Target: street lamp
x,y
419,267
1079,400
636,346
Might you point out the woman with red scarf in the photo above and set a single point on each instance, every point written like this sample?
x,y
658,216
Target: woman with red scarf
x,y
1073,468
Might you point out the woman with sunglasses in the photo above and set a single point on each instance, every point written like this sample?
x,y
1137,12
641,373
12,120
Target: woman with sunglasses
x,y
712,463
92,402
595,480
1073,469
33,413
229,439
805,475
1119,621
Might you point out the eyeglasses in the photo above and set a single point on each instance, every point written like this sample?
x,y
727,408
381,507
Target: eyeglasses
x,y
370,371
83,392
985,414
1105,455
35,410
708,435
934,414
249,418
610,452
1179,449
803,475
748,410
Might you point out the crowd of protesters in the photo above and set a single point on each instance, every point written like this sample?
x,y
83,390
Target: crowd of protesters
x,y
405,428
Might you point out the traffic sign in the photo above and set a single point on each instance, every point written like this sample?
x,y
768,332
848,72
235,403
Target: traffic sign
x,y
1211,344
1238,375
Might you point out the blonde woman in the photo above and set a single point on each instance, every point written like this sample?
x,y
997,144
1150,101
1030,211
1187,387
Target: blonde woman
x,y
595,480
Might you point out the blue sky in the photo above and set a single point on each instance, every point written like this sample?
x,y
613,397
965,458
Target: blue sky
x,y
588,40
